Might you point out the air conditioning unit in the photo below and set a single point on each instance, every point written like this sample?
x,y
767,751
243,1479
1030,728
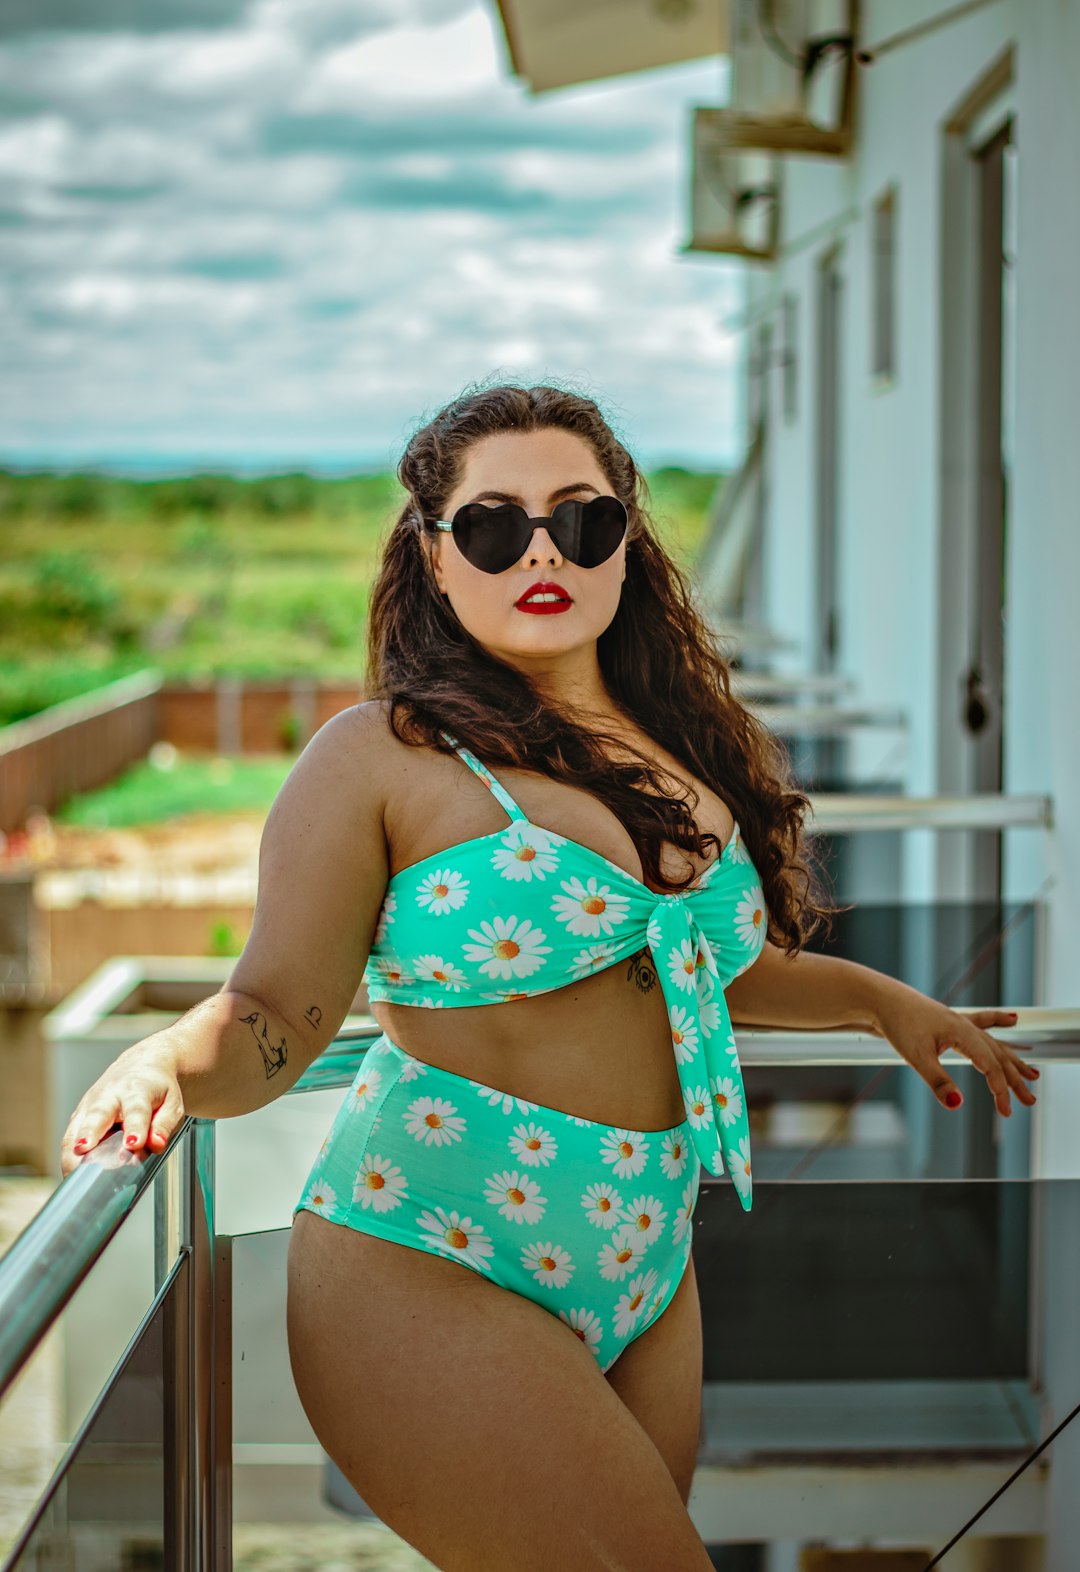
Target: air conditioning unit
x,y
793,75
734,194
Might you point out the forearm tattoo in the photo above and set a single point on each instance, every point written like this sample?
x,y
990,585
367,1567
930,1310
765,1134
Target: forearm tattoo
x,y
273,1054
640,970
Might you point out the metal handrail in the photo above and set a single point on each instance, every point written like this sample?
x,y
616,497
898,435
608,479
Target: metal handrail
x,y
59,1246
845,812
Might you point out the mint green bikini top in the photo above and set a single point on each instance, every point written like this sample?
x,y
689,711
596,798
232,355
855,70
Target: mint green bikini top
x,y
523,911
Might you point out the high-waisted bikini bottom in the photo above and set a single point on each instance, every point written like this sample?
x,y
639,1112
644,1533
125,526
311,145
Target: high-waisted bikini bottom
x,y
589,1220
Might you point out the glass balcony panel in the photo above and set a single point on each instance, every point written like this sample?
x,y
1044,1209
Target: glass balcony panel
x,y
95,1486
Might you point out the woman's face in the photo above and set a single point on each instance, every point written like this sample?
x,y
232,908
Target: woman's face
x,y
536,469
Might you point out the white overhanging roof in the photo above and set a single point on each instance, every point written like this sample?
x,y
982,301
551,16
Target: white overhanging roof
x,y
554,43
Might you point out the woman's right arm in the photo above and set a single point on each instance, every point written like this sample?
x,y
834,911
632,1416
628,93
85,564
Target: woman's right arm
x,y
323,871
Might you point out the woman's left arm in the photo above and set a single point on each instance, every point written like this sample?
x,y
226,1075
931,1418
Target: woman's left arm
x,y
808,991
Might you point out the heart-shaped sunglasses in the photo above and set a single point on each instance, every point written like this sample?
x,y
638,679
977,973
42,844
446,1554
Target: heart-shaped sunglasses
x,y
493,539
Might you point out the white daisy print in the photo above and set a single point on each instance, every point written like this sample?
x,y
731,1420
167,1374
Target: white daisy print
x,y
433,968
590,908
653,934
730,1046
593,959
656,1301
434,1121
428,1003
386,915
727,1099
507,995
391,971
735,849
684,1033
586,1324
750,916
412,1068
516,1196
704,960
532,1144
638,1293
683,1217
708,1008
699,1107
507,947
682,964
549,1264
715,1162
626,1150
739,1166
525,852
646,1214
603,1205
321,1197
455,1235
442,891
510,1104
674,1153
380,1184
621,1255
365,1090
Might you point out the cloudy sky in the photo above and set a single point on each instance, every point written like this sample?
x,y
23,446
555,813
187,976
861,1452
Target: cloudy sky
x,y
267,233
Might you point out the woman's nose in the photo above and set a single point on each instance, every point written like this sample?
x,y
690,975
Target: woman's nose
x,y
542,545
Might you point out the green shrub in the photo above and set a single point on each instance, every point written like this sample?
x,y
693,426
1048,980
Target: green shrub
x,y
67,587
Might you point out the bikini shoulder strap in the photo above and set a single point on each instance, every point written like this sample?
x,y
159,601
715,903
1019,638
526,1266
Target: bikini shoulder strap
x,y
497,791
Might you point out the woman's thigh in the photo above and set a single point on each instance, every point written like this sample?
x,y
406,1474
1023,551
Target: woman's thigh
x,y
658,1376
473,1422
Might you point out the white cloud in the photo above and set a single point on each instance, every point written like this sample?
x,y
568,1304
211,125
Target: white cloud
x,y
287,237
412,64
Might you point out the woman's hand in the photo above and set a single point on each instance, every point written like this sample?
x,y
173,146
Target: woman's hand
x,y
920,1029
140,1093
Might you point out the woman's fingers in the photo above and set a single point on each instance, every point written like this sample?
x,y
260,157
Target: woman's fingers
x,y
986,1018
996,1062
161,1123
148,1106
91,1121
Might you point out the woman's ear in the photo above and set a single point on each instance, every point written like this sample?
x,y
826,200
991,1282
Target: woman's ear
x,y
430,548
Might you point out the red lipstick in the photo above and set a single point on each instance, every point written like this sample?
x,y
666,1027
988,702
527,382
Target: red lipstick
x,y
544,587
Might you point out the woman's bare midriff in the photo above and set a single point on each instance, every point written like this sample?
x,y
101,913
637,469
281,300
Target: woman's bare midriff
x,y
599,1048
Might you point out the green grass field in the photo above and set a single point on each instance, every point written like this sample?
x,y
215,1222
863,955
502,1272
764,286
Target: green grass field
x,y
147,794
211,574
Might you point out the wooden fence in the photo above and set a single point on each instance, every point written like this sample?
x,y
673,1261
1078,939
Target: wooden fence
x,y
76,745
84,742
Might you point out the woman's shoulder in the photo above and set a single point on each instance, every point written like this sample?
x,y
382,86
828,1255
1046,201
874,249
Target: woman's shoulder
x,y
370,739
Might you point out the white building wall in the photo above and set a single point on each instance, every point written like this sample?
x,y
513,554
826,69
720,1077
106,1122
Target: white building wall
x,y
891,454
1043,645
889,451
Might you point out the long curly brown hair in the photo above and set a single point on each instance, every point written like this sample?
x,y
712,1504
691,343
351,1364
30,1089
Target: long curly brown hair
x,y
658,657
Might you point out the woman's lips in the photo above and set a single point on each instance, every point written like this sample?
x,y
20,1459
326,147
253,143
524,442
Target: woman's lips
x,y
544,605
547,596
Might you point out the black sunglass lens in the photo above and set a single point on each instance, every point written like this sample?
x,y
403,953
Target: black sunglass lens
x,y
492,539
588,532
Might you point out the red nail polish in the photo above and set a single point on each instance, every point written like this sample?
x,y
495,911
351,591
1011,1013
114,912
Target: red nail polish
x,y
953,1099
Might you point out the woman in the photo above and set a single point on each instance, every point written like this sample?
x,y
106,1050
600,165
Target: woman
x,y
552,805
